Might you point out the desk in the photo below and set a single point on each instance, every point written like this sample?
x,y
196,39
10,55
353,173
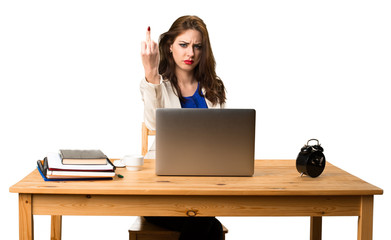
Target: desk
x,y
276,189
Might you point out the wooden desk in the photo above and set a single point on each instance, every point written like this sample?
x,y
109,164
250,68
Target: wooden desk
x,y
276,189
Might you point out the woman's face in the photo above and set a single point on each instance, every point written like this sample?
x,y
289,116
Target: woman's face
x,y
186,50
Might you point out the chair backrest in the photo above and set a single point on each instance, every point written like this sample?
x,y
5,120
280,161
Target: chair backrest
x,y
145,132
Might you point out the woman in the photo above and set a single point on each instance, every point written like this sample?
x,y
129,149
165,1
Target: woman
x,y
180,70
180,73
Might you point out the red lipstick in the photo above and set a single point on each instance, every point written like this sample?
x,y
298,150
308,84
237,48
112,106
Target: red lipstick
x,y
188,62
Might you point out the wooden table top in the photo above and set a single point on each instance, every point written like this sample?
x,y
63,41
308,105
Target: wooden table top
x,y
271,178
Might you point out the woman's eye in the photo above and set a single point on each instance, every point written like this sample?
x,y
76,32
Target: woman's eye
x,y
183,45
197,46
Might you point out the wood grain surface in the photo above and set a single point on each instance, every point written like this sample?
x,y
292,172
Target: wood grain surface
x,y
271,178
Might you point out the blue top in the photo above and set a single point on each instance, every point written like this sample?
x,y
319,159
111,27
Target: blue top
x,y
195,101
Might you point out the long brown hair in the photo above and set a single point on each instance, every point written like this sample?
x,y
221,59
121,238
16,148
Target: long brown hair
x,y
204,72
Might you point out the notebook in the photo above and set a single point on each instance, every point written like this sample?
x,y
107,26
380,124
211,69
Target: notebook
x,y
205,142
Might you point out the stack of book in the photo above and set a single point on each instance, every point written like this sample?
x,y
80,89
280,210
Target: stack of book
x,y
76,165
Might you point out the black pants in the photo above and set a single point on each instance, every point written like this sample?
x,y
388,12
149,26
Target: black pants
x,y
191,228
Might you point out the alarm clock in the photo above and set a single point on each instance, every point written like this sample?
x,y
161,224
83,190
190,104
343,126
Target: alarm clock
x,y
311,160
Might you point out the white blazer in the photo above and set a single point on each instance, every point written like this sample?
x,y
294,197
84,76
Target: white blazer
x,y
161,96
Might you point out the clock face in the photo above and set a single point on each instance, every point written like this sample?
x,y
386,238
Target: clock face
x,y
311,162
315,164
317,159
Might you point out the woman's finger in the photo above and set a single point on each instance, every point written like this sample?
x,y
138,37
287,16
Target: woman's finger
x,y
148,38
154,47
143,47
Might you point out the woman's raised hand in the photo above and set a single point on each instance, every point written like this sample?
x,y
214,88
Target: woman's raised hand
x,y
150,58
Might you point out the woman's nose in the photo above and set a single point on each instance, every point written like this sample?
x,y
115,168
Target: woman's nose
x,y
190,51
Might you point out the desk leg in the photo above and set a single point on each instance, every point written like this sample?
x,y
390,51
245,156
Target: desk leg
x,y
55,229
365,220
26,223
316,228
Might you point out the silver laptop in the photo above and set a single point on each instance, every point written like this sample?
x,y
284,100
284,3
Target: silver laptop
x,y
205,142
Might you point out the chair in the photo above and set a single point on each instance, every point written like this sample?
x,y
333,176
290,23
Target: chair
x,y
141,229
145,132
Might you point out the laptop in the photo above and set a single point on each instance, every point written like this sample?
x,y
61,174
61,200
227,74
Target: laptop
x,y
205,142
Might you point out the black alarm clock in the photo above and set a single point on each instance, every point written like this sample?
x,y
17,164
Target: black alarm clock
x,y
311,160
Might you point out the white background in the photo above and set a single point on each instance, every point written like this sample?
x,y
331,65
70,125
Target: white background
x,y
70,73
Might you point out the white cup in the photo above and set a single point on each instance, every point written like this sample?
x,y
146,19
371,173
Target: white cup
x,y
133,162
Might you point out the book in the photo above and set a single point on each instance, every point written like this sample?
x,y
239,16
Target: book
x,y
83,157
78,174
54,163
52,169
40,170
